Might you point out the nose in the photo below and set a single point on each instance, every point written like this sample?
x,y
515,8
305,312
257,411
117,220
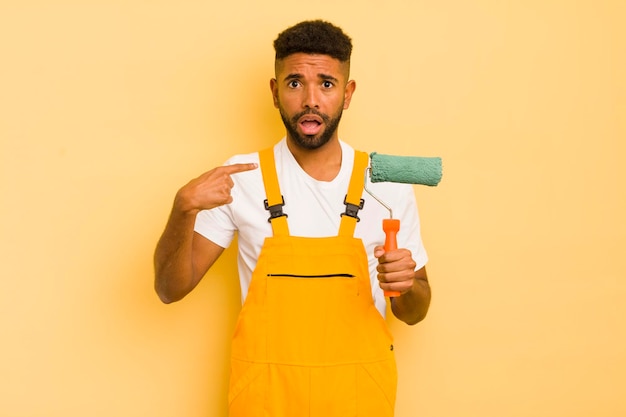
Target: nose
x,y
310,98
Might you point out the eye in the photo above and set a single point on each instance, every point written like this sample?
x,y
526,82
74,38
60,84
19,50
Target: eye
x,y
294,84
328,84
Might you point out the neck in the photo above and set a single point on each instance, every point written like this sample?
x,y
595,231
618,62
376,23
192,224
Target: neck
x,y
322,164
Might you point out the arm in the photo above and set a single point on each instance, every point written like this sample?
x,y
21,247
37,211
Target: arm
x,y
182,256
396,272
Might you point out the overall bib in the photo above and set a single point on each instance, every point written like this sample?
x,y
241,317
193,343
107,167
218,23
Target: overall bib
x,y
309,340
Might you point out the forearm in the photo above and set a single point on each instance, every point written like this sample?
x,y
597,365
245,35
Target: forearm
x,y
173,258
411,307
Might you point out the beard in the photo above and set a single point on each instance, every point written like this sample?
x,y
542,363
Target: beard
x,y
310,141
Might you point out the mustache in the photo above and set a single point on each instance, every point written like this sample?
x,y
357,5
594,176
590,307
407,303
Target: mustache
x,y
323,116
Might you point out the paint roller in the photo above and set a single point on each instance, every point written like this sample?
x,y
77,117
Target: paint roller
x,y
402,169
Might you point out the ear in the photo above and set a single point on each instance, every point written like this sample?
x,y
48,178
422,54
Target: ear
x,y
347,95
274,88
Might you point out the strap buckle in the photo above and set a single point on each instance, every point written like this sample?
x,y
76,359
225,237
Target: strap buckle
x,y
276,210
352,209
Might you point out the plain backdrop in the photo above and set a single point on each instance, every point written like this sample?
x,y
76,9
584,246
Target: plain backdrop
x,y
108,107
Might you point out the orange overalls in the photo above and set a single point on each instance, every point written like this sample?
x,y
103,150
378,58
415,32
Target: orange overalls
x,y
309,340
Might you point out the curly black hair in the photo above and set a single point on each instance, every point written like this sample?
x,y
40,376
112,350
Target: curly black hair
x,y
314,37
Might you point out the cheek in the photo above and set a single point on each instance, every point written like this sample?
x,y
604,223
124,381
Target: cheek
x,y
288,102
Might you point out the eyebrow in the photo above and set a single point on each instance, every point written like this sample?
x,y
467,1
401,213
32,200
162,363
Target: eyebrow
x,y
297,76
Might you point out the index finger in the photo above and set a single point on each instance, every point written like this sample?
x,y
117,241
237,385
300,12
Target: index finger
x,y
235,168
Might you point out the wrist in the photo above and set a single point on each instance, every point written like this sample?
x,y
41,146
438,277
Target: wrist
x,y
183,205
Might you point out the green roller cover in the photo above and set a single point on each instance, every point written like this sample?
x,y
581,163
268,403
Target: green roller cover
x,y
405,169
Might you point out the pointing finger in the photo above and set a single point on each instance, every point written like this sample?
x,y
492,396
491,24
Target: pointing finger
x,y
235,168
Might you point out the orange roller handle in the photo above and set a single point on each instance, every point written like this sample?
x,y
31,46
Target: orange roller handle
x,y
391,228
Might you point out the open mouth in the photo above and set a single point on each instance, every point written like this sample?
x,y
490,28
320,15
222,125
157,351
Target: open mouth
x,y
310,124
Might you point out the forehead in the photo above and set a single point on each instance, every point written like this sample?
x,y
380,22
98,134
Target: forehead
x,y
301,63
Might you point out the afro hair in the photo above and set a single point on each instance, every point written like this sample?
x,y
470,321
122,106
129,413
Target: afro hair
x,y
314,37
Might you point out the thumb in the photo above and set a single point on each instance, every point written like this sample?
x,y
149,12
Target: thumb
x,y
379,251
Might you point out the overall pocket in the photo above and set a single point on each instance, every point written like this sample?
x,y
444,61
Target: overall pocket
x,y
247,388
376,391
311,276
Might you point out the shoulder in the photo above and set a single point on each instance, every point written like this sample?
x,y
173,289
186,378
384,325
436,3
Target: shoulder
x,y
243,159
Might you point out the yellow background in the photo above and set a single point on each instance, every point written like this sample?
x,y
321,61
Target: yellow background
x,y
108,107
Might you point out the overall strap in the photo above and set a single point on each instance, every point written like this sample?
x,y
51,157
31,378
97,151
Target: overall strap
x,y
353,200
275,201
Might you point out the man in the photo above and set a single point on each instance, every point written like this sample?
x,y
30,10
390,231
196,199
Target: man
x,y
311,339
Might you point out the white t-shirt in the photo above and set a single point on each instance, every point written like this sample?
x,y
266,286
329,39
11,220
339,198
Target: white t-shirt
x,y
314,210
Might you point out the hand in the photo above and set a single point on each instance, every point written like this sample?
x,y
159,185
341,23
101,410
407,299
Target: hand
x,y
396,269
209,190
